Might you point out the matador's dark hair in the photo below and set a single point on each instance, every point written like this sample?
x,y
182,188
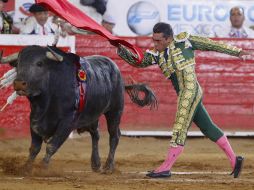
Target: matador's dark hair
x,y
164,28
233,8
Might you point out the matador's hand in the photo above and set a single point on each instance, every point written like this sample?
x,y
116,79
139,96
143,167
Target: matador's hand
x,y
246,55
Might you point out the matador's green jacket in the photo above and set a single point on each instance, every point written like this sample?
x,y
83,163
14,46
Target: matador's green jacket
x,y
177,62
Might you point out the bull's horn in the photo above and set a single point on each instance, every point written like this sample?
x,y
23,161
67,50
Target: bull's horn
x,y
9,58
53,55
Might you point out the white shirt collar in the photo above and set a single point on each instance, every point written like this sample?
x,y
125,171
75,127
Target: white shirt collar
x,y
238,32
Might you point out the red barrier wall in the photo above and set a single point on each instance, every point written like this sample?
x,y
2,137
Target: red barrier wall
x,y
228,85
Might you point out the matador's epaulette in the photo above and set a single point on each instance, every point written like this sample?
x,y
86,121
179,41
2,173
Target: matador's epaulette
x,y
181,37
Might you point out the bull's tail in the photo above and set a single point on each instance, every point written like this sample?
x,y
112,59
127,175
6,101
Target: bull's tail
x,y
142,95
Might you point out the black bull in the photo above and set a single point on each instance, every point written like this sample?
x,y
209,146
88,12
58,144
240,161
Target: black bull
x,y
47,76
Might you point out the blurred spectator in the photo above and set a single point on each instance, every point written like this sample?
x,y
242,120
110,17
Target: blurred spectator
x,y
6,21
92,8
40,23
108,22
237,29
99,5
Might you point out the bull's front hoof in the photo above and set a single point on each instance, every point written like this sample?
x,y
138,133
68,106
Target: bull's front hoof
x,y
96,165
96,168
44,165
26,169
108,169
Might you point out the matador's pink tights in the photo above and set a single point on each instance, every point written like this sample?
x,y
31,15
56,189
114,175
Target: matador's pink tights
x,y
173,154
225,146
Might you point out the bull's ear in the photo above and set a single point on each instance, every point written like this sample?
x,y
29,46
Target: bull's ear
x,y
54,56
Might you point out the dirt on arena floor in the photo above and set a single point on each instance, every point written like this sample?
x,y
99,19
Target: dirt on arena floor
x,y
201,166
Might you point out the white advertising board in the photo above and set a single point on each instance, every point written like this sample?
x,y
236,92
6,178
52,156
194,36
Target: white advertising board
x,y
135,17
42,40
21,9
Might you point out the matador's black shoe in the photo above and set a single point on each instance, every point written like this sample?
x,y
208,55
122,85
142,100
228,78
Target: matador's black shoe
x,y
163,174
238,166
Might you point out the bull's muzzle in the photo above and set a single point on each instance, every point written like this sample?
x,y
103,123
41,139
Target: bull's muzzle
x,y
20,87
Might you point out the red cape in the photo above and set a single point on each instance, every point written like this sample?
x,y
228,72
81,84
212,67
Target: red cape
x,y
76,17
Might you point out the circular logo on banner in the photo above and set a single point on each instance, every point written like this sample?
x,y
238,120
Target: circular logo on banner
x,y
24,9
141,17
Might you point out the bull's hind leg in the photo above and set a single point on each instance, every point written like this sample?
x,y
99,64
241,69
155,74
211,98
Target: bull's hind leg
x,y
113,121
95,158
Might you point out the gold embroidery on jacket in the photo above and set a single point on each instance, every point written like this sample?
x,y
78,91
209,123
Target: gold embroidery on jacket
x,y
189,97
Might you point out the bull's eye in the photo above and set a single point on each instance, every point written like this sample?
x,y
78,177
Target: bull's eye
x,y
39,63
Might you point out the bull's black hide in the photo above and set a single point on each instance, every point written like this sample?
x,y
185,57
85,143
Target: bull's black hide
x,y
50,83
